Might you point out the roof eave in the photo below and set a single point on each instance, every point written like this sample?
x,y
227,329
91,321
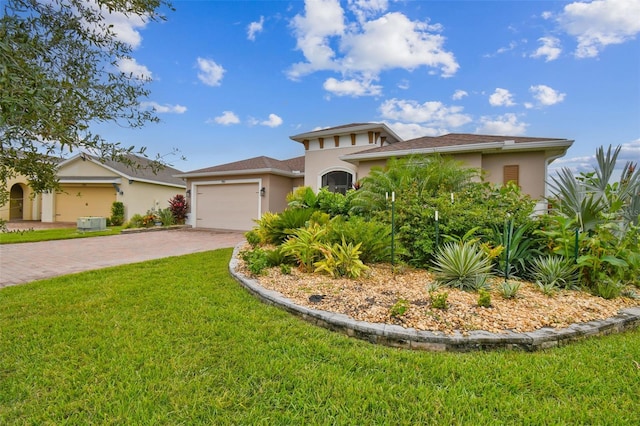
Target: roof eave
x,y
344,131
458,149
241,172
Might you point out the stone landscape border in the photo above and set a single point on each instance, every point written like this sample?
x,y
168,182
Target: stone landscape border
x,y
409,338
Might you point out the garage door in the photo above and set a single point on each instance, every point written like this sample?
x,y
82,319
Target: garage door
x,y
78,201
227,206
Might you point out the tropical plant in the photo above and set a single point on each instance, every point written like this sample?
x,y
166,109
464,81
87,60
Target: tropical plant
x,y
373,236
509,289
554,272
459,264
305,245
302,198
179,208
341,260
276,228
517,248
165,216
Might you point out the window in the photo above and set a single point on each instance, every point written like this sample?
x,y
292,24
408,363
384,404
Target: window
x,y
511,174
337,181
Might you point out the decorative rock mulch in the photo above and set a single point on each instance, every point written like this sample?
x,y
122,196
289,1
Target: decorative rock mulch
x,y
372,297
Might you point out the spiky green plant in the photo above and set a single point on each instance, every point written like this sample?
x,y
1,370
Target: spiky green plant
x,y
305,246
341,260
459,264
554,272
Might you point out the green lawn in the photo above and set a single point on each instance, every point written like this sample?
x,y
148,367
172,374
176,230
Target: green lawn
x,y
13,237
178,341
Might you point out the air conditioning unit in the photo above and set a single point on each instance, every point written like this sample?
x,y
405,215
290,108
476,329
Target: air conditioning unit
x,y
92,224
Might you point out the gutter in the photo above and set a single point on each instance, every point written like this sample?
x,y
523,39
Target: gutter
x,y
272,171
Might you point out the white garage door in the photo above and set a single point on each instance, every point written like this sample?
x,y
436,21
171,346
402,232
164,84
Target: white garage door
x,y
227,206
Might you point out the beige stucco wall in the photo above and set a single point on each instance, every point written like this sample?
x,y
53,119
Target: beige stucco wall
x,y
80,168
532,170
320,162
140,197
277,188
30,205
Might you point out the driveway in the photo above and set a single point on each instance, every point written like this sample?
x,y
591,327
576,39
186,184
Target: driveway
x,y
22,263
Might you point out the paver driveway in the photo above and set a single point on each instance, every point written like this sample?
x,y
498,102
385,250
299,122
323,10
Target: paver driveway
x,y
21,263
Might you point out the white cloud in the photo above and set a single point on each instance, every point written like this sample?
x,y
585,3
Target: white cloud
x,y
273,121
545,95
501,97
549,49
628,152
364,9
254,28
506,124
459,94
412,130
164,109
434,114
130,66
512,46
125,28
210,72
351,87
600,23
227,118
404,84
362,50
394,41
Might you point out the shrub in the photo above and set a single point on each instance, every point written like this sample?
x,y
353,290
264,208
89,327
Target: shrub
x,y
373,236
135,221
179,207
165,216
521,249
256,260
458,265
608,288
484,299
253,238
117,213
439,300
399,308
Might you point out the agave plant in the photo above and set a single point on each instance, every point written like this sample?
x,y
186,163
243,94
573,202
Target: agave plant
x,y
459,265
554,272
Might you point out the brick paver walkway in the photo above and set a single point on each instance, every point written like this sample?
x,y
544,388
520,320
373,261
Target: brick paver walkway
x,y
21,263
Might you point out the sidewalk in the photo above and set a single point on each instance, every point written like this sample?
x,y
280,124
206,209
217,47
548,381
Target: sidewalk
x,y
22,263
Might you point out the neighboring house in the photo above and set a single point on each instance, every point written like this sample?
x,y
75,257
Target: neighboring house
x,y
232,196
88,187
23,203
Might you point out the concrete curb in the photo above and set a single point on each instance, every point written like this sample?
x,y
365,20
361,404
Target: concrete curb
x,y
409,338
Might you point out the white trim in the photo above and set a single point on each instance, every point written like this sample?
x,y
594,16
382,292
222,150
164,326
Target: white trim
x,y
194,195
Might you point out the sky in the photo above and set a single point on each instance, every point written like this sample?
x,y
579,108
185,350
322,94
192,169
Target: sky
x,y
231,80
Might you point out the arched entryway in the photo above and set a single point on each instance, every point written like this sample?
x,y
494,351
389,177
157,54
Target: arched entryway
x,y
337,181
16,202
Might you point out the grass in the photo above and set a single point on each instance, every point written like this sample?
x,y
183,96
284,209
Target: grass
x,y
31,236
178,341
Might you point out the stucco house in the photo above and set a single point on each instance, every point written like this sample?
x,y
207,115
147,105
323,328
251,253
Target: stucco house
x,y
233,195
88,187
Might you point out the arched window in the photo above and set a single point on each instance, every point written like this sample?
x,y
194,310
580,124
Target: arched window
x,y
337,181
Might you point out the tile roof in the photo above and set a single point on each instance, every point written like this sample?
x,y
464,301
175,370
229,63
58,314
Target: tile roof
x,y
257,163
144,172
452,139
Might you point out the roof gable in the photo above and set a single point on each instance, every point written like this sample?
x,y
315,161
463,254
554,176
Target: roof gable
x,y
261,164
143,173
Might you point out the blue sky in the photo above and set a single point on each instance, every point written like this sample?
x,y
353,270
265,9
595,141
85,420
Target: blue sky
x,y
234,79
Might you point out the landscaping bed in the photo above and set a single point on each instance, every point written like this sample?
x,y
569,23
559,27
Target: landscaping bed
x,y
374,298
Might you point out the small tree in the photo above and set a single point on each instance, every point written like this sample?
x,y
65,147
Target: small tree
x,y
117,213
179,208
